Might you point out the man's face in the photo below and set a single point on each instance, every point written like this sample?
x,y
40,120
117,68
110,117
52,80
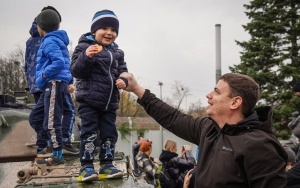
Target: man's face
x,y
219,101
297,94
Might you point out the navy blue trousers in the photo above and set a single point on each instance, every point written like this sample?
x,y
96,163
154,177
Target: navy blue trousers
x,y
68,120
38,117
96,123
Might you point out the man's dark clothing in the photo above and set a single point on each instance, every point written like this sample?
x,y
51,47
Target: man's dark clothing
x,y
246,154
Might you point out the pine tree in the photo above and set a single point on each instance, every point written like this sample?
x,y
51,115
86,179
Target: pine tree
x,y
271,56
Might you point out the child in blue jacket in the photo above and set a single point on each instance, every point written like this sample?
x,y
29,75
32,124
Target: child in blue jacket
x,y
52,77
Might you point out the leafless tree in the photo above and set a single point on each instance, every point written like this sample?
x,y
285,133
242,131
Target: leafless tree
x,y
12,71
180,91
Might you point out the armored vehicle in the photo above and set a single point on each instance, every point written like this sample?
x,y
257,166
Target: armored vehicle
x,y
18,153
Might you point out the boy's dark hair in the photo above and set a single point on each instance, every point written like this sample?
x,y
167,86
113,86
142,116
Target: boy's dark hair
x,y
48,20
52,8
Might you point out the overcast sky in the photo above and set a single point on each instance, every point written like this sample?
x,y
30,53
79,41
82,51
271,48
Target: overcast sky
x,y
163,40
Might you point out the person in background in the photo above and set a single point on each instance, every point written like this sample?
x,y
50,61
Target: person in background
x,y
32,46
135,150
293,176
237,145
97,63
147,165
291,157
296,123
177,166
52,77
292,169
187,179
36,117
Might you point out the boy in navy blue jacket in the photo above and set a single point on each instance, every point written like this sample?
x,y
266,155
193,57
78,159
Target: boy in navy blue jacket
x,y
97,63
52,77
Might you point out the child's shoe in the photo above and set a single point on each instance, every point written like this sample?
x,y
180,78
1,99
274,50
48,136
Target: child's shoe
x,y
50,161
88,174
109,171
47,152
69,149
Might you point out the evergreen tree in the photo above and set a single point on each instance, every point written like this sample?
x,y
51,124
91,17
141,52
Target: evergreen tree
x,y
271,56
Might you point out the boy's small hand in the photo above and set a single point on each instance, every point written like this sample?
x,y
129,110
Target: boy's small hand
x,y
120,84
71,88
93,49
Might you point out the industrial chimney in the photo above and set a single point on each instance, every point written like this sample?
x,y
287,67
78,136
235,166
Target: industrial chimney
x,y
218,52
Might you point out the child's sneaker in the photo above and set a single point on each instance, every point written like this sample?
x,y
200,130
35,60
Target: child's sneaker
x,y
47,152
69,149
50,161
109,171
88,174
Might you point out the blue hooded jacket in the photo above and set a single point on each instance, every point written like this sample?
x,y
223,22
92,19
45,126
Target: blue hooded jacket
x,y
53,59
32,46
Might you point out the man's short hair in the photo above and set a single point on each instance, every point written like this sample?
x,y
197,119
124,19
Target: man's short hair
x,y
245,87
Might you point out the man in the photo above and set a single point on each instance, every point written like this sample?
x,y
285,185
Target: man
x,y
237,146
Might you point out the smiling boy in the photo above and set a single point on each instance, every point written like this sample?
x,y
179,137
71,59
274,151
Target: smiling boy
x,y
97,63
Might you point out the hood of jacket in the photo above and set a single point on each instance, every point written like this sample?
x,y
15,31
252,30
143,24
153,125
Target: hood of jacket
x,y
90,39
166,156
260,118
33,31
58,34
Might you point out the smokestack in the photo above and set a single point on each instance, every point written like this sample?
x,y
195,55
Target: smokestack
x,y
218,52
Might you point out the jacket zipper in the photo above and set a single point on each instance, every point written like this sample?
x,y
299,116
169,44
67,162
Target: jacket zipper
x,y
112,86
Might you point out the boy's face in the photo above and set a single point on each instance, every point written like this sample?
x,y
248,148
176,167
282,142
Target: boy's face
x,y
105,35
41,32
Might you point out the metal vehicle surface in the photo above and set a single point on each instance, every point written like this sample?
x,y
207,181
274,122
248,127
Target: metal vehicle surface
x,y
18,152
15,132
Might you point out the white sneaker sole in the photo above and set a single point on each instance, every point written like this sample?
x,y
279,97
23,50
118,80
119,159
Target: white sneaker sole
x,y
44,155
69,152
116,175
93,177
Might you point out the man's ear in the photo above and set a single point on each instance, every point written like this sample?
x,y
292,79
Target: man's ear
x,y
236,102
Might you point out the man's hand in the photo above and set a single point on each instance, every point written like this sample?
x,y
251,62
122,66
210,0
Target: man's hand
x,y
133,86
